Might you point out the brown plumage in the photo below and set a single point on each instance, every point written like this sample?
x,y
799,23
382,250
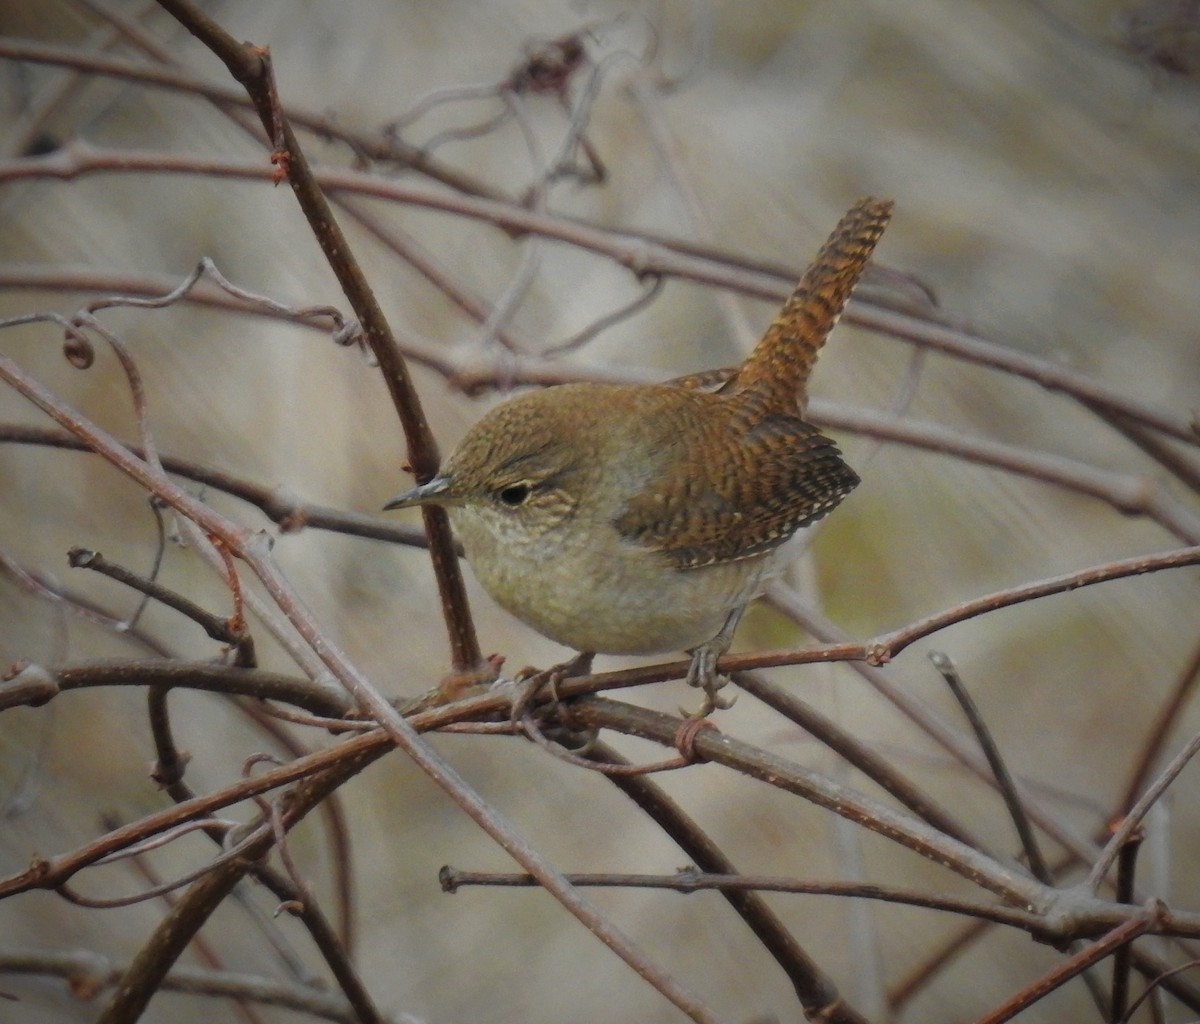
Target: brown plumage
x,y
775,472
632,518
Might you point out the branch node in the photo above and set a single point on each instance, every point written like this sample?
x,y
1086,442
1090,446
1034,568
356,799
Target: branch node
x,y
878,655
25,683
81,558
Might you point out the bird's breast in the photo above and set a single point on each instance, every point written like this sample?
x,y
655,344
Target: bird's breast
x,y
591,589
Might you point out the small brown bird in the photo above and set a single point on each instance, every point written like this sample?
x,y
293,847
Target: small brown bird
x,y
642,518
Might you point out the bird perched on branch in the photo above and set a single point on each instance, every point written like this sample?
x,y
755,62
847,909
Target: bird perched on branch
x,y
642,518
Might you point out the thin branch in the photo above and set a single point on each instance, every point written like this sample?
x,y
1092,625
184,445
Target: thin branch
x,y
891,644
92,973
371,147
911,984
816,991
251,67
1163,979
168,773
249,548
332,946
63,599
280,505
171,672
689,880
202,947
1093,954
885,647
713,745
52,873
410,250
1133,820
1004,779
214,626
397,240
1123,958
949,737
641,254
28,131
235,854
1165,720
609,320
169,762
856,753
146,972
1128,493
1178,465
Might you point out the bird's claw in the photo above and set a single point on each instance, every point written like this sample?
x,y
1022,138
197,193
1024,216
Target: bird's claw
x,y
533,682
702,673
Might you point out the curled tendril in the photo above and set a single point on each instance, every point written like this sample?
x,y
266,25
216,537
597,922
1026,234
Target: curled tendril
x,y
78,349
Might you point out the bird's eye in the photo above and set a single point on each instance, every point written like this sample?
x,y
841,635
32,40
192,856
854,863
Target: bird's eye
x,y
514,495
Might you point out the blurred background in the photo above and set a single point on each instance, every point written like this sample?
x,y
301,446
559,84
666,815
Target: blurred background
x,y
1045,162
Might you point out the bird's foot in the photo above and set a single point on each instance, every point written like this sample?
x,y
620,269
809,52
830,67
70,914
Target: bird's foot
x,y
702,673
535,681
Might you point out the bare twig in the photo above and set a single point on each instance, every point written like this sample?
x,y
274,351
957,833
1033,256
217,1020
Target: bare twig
x,y
641,254
251,67
212,888
1133,820
90,974
688,880
373,147
202,675
283,507
1004,780
816,991
145,974
1164,722
214,626
859,754
1093,954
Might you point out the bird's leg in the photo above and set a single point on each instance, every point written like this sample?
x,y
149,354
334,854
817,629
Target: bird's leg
x,y
703,670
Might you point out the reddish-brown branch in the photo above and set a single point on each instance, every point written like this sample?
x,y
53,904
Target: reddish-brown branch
x,y
689,880
283,507
638,253
148,969
857,753
89,974
1093,954
251,66
1165,720
250,550
815,989
380,146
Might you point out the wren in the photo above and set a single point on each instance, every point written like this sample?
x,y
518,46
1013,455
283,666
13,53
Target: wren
x,y
642,518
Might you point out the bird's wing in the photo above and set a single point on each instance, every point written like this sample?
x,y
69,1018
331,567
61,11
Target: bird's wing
x,y
774,477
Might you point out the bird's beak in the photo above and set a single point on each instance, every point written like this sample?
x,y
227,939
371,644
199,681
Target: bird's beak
x,y
435,492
